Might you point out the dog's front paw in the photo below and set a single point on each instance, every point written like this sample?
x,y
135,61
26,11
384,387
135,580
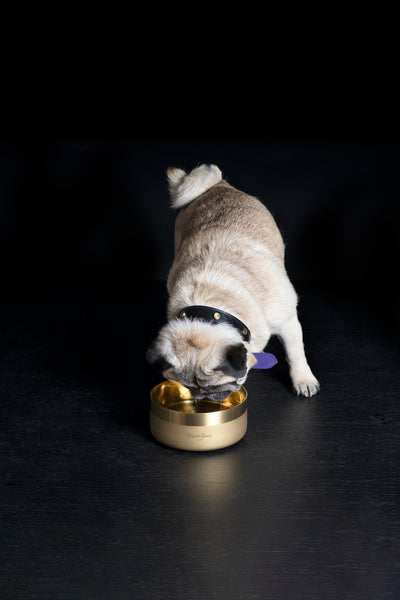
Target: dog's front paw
x,y
307,386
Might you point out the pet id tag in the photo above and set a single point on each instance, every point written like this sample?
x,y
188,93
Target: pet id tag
x,y
265,360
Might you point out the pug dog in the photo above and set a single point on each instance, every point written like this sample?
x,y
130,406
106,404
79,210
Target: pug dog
x,y
228,290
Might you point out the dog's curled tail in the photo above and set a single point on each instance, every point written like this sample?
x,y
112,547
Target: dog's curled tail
x,y
185,187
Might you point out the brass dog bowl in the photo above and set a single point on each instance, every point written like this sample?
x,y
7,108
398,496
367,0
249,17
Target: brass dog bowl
x,y
180,421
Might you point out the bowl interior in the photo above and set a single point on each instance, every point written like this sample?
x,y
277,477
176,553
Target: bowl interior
x,y
175,396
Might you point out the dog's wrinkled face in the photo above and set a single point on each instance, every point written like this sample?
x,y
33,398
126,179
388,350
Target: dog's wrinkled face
x,y
211,361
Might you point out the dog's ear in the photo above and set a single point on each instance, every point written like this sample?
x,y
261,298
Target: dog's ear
x,y
155,358
235,362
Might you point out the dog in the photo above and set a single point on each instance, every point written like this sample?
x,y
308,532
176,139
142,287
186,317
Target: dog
x,y
228,290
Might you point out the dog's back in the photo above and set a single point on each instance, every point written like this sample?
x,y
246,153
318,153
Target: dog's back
x,y
228,251
210,206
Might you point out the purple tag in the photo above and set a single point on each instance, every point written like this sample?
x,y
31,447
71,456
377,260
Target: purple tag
x,y
265,360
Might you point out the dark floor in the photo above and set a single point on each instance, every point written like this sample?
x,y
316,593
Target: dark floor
x,y
306,506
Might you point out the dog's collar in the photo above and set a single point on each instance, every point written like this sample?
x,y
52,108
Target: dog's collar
x,y
215,316
265,360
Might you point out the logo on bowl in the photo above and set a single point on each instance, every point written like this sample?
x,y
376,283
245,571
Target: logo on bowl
x,y
198,436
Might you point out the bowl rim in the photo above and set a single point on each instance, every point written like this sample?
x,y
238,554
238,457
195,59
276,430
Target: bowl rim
x,y
197,419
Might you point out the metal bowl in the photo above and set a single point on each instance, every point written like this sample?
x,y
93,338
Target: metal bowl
x,y
180,421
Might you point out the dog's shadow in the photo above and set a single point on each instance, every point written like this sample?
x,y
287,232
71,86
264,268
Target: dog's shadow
x,y
280,371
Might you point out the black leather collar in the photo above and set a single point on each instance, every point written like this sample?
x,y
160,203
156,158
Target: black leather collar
x,y
215,316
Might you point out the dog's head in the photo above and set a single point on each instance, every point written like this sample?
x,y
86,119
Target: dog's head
x,y
212,361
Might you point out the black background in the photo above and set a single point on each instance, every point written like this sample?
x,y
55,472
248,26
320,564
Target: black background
x,y
95,214
91,211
